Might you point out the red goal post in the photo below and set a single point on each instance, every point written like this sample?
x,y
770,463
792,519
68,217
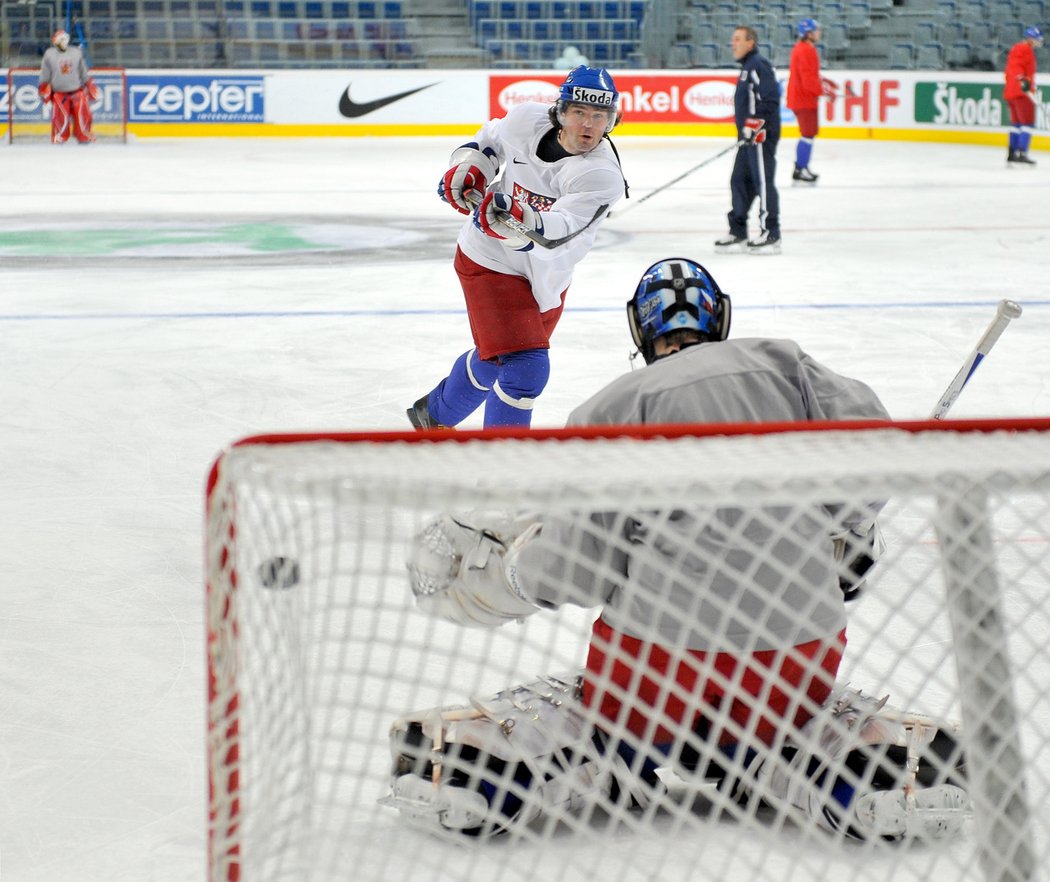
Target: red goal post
x,y
28,118
311,660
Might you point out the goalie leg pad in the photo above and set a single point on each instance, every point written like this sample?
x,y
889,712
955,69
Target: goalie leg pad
x,y
897,774
498,763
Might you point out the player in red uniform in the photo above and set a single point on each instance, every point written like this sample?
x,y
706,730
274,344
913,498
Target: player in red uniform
x,y
804,90
1019,93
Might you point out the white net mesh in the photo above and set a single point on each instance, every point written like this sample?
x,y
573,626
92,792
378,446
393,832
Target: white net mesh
x,y
316,648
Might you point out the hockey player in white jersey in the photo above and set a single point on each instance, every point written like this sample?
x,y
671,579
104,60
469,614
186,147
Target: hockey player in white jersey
x,y
542,173
700,658
66,85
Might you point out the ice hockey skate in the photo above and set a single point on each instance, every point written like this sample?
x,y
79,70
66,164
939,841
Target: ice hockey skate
x,y
803,176
1019,159
419,416
731,244
767,243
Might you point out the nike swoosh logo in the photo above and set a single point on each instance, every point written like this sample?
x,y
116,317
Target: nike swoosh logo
x,y
352,109
519,162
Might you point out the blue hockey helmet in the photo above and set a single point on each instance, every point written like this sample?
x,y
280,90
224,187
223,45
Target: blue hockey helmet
x,y
592,86
676,294
1033,33
807,26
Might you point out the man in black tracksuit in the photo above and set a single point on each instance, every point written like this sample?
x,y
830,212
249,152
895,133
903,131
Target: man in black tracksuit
x,y
758,131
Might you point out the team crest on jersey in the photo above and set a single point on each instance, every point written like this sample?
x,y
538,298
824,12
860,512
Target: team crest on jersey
x,y
66,67
534,200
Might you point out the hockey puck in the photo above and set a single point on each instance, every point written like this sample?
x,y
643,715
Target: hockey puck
x,y
279,573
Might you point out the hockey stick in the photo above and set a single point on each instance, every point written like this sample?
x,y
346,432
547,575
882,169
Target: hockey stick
x,y
1005,312
529,233
671,183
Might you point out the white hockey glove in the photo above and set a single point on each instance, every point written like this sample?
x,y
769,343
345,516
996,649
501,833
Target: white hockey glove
x,y
470,173
464,569
856,552
507,219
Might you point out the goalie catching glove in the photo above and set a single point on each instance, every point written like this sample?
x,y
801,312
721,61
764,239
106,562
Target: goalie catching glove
x,y
469,174
465,569
507,219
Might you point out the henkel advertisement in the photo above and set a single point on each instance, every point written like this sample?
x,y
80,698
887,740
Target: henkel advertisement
x,y
643,98
862,99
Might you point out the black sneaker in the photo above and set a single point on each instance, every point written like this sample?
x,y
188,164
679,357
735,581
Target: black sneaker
x,y
804,176
731,243
767,243
420,418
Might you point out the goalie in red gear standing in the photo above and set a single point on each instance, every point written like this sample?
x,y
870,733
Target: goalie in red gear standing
x,y
66,85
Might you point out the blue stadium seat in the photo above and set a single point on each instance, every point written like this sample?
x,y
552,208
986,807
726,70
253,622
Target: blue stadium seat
x,y
958,54
902,56
930,56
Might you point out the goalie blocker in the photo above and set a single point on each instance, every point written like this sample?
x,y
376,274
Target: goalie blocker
x,y
858,769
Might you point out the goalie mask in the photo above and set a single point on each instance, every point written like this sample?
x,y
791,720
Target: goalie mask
x,y
60,40
591,86
677,294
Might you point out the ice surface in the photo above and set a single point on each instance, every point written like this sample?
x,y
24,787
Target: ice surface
x,y
160,299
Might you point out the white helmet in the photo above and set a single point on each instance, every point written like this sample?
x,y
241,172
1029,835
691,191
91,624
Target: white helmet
x,y
60,39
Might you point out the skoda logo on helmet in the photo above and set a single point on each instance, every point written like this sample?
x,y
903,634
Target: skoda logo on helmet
x,y
583,95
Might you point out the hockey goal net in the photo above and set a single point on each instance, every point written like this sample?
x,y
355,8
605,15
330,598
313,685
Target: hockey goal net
x,y
28,118
315,645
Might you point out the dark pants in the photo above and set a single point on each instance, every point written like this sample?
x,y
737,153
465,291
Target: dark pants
x,y
754,177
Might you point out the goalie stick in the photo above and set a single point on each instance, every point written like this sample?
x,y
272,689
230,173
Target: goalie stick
x,y
674,181
1005,312
531,234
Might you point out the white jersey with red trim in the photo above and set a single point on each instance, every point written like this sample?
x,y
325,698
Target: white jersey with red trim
x,y
567,191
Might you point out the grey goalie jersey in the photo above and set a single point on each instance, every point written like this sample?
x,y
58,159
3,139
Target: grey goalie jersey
x,y
704,577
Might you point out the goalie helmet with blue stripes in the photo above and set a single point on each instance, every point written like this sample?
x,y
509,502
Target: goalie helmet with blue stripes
x,y
591,86
677,294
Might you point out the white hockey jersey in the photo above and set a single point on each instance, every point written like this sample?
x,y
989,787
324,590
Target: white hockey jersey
x,y
568,191
701,577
